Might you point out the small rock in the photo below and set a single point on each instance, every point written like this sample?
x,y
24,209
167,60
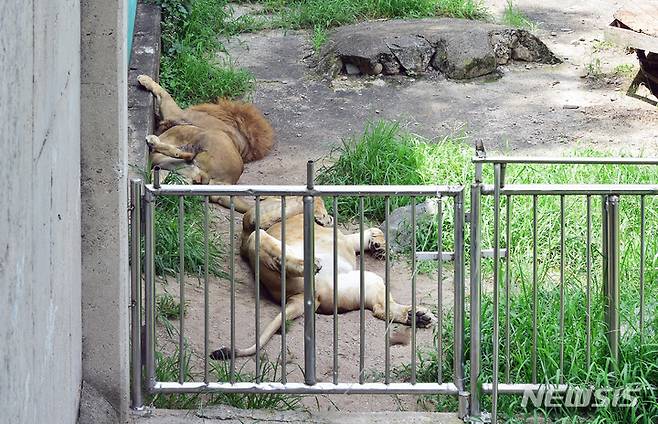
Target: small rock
x,y
566,30
377,110
299,135
284,82
352,69
553,34
554,83
582,38
528,67
266,113
612,99
568,106
377,69
343,77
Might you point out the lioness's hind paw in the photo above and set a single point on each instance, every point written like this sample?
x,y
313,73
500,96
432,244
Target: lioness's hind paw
x,y
221,354
424,318
145,81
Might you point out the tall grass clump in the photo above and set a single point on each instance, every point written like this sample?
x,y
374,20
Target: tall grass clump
x,y
167,369
512,16
321,15
166,235
386,154
189,69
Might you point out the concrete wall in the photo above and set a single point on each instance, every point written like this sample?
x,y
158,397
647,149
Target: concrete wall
x,y
40,326
103,138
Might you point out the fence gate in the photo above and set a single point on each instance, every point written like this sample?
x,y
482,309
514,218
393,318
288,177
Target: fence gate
x,y
144,201
493,381
487,381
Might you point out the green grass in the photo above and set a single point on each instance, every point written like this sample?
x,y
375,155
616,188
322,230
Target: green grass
x,y
513,17
320,15
386,154
167,369
166,235
168,307
625,70
189,69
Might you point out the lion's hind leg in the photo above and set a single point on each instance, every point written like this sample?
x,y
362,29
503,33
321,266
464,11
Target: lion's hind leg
x,y
271,253
169,110
157,145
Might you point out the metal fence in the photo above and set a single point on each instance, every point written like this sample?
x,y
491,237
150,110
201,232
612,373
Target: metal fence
x,y
143,205
610,195
482,197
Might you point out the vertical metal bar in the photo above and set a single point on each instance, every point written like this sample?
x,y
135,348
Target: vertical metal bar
x,y
475,282
604,255
561,289
181,288
136,401
149,289
496,247
588,286
387,302
156,177
309,281
257,287
439,283
284,348
642,248
413,290
362,295
613,276
507,286
534,289
231,236
206,296
335,302
458,356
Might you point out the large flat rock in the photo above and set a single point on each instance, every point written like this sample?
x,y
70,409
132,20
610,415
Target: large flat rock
x,y
458,48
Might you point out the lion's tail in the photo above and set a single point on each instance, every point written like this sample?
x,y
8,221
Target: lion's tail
x,y
253,126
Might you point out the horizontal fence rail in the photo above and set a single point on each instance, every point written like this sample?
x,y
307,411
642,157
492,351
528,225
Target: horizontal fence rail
x,y
262,196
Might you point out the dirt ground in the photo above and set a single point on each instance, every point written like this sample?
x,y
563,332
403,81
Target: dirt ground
x,y
531,109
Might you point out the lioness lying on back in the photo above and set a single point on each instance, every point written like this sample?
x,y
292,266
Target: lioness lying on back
x,y
208,143
348,274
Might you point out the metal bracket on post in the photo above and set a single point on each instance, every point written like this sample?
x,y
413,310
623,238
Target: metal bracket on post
x,y
309,280
611,272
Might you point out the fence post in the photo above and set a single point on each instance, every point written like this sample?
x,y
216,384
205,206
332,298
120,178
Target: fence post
x,y
611,283
149,290
475,291
136,402
458,359
309,280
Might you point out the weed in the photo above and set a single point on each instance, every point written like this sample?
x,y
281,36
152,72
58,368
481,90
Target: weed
x,y
319,37
593,69
466,9
625,70
167,369
188,68
512,16
166,235
168,307
602,45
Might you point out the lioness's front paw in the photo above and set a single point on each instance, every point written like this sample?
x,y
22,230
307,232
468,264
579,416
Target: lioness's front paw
x,y
324,219
377,243
424,318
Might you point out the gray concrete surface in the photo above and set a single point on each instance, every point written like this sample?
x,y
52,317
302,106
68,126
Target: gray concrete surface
x,y
104,160
144,59
229,415
40,348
